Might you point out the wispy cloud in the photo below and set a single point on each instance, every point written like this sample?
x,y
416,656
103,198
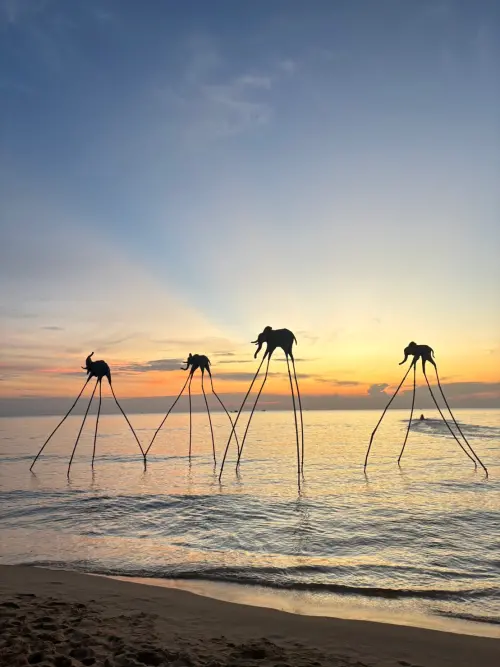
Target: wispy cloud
x,y
254,81
235,361
376,389
232,108
288,66
214,104
312,339
338,383
242,376
154,365
472,389
200,344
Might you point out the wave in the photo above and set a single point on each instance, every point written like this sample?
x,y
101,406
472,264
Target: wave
x,y
437,426
267,577
471,617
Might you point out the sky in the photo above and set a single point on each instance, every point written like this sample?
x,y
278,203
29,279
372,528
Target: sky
x,y
175,176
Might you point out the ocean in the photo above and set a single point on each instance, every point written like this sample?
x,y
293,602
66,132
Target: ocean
x,y
416,544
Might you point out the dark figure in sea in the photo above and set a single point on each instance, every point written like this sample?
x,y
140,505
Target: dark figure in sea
x,y
274,338
426,353
99,370
422,418
195,362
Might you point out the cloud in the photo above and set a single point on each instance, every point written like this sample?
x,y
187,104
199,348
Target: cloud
x,y
346,383
242,376
488,396
254,81
236,361
53,328
10,370
312,339
205,343
376,389
14,312
337,383
212,105
461,389
288,66
154,365
232,108
104,344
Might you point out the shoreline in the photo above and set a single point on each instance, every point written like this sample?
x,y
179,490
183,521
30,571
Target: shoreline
x,y
333,606
108,621
386,610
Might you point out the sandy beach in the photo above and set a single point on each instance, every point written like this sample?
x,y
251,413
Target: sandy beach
x,y
64,619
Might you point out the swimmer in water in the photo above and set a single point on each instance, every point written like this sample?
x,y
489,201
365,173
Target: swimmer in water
x,y
422,418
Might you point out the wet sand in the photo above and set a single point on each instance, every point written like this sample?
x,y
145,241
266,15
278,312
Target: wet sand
x,y
64,619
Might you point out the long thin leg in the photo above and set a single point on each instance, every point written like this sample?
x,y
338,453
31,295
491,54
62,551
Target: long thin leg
x,y
224,408
236,420
456,424
165,417
301,416
62,420
383,413
411,413
81,427
296,424
128,422
209,418
190,415
97,422
251,413
444,419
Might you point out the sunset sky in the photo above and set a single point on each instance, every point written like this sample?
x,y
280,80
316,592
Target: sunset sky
x,y
177,175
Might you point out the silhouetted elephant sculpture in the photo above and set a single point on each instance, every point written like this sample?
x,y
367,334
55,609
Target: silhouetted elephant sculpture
x,y
195,362
99,370
274,338
426,354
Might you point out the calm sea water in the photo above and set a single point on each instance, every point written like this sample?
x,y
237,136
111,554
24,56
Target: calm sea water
x,y
424,537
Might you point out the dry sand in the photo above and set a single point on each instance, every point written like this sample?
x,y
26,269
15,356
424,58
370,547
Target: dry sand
x,y
65,619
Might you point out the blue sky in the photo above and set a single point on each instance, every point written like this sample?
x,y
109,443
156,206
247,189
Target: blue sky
x,y
184,173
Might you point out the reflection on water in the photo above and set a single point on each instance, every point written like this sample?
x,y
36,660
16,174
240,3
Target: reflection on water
x,y
423,537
